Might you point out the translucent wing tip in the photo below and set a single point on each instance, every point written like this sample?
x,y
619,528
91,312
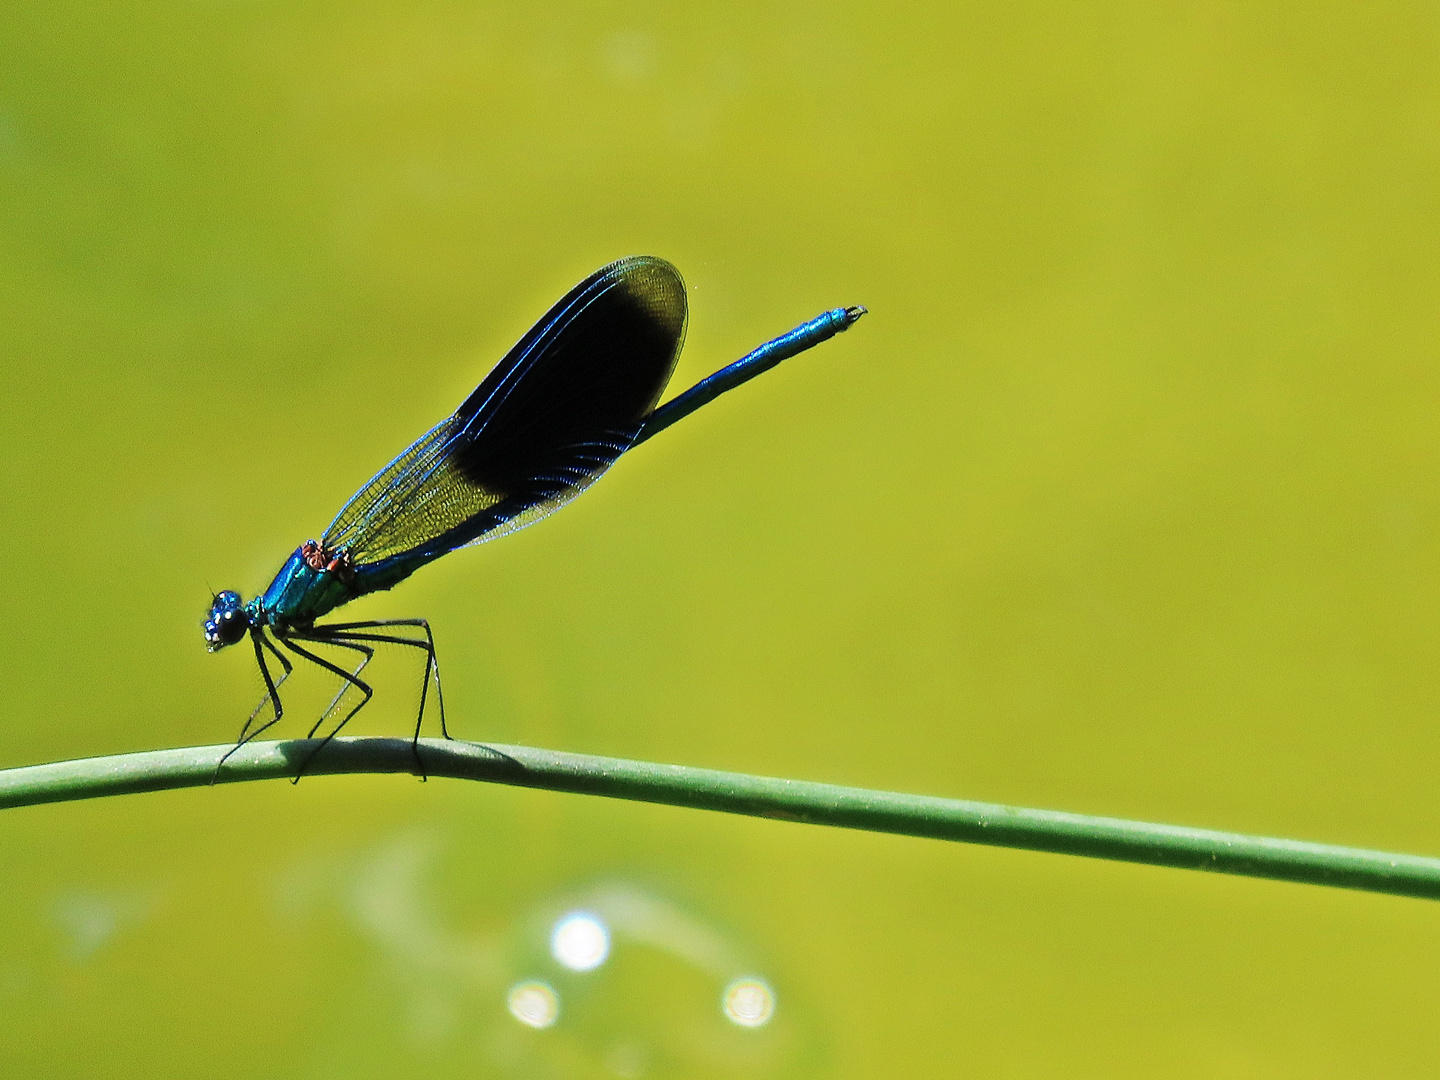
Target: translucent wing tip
x,y
657,286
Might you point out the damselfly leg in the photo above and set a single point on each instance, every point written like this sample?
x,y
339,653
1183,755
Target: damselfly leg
x,y
432,657
341,633
288,640
354,636
272,694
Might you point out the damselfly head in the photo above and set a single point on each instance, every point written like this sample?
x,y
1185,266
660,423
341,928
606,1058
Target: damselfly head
x,y
227,622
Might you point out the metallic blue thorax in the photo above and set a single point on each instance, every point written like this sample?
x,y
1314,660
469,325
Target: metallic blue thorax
x,y
301,593
314,582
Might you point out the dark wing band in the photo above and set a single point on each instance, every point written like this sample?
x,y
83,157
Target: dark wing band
x,y
553,415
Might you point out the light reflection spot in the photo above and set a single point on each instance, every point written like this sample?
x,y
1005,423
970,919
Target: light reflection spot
x,y
580,941
534,1004
748,1002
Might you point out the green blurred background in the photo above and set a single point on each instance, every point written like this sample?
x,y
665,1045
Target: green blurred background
x,y
1123,500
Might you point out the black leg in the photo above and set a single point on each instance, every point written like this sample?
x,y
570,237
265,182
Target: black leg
x,y
285,674
272,694
352,680
329,634
345,686
432,662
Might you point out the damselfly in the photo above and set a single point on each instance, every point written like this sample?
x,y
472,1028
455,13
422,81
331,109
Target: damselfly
x,y
574,394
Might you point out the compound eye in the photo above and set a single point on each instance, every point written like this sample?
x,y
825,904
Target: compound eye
x,y
229,627
226,623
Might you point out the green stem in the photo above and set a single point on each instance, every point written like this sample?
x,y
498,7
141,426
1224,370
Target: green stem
x,y
738,793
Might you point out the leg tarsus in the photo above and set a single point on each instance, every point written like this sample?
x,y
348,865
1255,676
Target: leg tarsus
x,y
433,656
338,632
341,635
359,684
272,694
344,686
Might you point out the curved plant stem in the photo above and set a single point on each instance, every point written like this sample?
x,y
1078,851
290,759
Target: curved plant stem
x,y
738,793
